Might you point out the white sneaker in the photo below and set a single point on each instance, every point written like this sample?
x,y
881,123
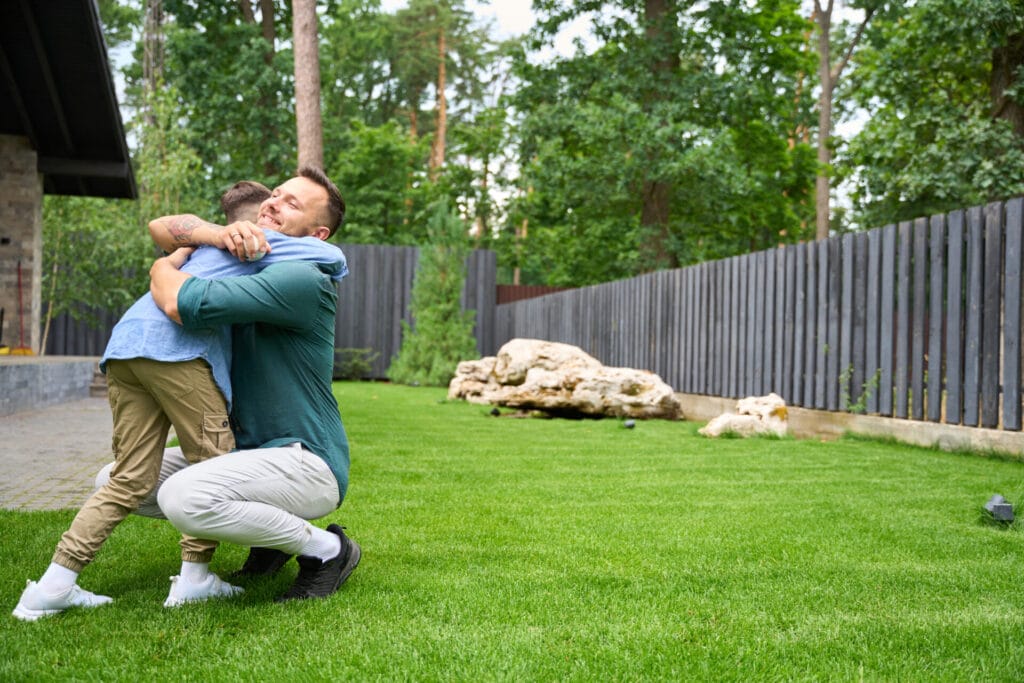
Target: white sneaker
x,y
34,603
183,590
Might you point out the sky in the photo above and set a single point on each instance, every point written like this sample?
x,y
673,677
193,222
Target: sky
x,y
511,17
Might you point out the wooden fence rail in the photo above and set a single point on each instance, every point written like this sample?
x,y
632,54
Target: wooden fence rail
x,y
920,320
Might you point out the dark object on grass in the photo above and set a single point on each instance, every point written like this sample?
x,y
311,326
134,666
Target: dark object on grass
x,y
1000,509
629,424
495,412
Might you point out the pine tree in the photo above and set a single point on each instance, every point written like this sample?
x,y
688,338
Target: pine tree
x,y
442,333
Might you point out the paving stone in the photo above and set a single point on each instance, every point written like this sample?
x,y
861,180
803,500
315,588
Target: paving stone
x,y
49,457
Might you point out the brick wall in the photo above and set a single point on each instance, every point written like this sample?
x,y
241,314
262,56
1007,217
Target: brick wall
x,y
21,239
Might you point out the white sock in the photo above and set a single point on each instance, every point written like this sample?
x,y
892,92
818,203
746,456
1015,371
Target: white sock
x,y
57,579
195,572
321,544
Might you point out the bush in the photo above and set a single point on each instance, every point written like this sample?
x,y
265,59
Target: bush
x,y
353,363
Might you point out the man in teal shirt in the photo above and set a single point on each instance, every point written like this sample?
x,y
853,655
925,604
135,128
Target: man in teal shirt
x,y
293,458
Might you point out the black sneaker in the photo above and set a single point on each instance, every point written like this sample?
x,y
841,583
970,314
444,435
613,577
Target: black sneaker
x,y
262,562
317,578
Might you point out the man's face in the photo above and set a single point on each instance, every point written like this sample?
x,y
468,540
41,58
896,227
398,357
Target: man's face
x,y
295,208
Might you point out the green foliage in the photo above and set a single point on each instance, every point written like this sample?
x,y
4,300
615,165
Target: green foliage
x,y
442,333
356,58
379,71
167,164
932,143
598,128
685,127
416,29
374,170
96,255
481,161
119,20
239,108
867,389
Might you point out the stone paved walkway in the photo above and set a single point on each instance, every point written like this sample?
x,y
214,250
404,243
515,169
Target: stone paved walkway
x,y
50,456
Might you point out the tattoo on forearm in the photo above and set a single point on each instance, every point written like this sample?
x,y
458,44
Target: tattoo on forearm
x,y
182,227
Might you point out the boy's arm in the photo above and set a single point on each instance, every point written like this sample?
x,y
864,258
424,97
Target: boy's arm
x,y
243,239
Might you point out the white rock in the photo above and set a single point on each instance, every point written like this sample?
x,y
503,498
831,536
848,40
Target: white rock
x,y
754,415
532,374
471,379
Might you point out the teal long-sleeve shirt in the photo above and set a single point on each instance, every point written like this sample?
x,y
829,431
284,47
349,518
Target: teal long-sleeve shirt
x,y
283,344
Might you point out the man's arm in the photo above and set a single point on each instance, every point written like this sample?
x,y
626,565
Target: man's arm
x,y
165,279
286,295
243,239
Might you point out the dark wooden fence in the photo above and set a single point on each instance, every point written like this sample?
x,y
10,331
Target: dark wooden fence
x,y
81,336
372,302
919,320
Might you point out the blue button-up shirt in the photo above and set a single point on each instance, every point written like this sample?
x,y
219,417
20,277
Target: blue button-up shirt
x,y
144,331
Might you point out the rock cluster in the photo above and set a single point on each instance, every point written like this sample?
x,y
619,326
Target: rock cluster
x,y
563,380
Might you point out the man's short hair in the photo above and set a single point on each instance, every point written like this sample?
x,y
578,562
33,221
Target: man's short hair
x,y
335,204
242,194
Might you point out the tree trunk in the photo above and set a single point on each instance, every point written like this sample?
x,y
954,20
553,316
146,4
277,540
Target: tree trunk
x,y
1006,61
307,84
414,136
54,273
265,99
482,224
800,132
656,194
521,233
654,217
267,23
829,75
153,55
438,145
823,18
247,15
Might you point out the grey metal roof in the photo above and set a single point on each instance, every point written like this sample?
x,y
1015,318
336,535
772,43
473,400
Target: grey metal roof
x,y
56,89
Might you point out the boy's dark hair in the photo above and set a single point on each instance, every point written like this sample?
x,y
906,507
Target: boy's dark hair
x,y
335,204
243,193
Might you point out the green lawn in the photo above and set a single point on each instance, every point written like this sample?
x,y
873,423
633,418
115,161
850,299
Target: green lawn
x,y
541,550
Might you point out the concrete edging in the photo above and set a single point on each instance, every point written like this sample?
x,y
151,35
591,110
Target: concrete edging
x,y
806,423
31,382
